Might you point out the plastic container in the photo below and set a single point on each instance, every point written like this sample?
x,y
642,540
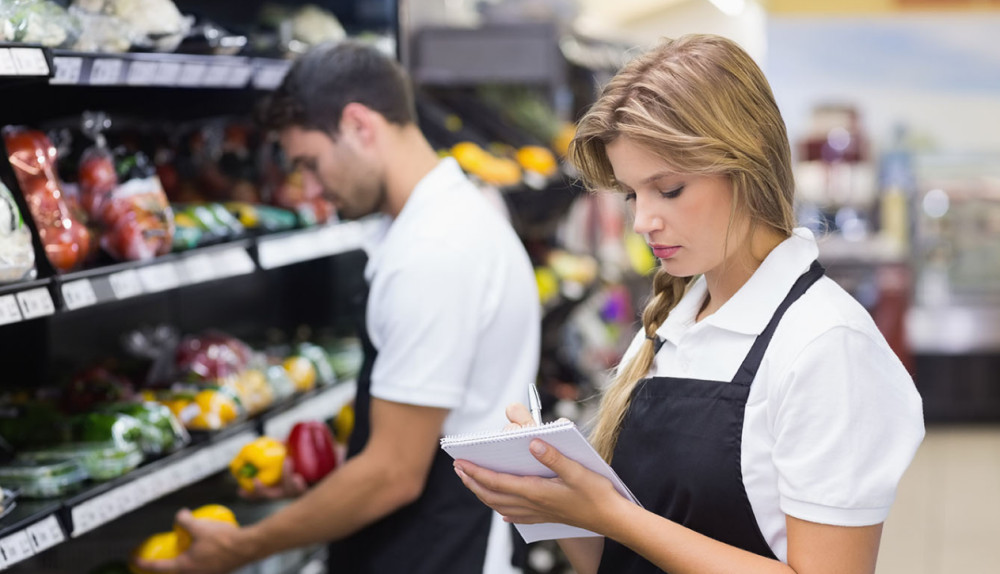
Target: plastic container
x,y
100,461
42,479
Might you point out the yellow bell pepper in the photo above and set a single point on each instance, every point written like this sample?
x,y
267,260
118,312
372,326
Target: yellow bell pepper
x,y
162,546
216,512
301,371
261,459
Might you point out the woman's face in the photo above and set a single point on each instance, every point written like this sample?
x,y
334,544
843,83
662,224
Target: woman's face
x,y
685,218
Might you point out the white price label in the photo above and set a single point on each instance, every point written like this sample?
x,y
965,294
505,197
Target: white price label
x,y
17,547
30,61
167,73
232,262
84,518
199,269
216,76
239,76
7,66
125,284
36,303
67,70
160,277
142,73
269,77
191,75
105,72
46,534
79,294
9,310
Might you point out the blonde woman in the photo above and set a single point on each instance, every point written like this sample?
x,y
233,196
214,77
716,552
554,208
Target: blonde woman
x,y
759,416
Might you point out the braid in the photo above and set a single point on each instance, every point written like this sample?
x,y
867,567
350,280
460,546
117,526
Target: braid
x,y
667,292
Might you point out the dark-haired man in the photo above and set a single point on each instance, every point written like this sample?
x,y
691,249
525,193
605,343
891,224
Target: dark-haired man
x,y
453,336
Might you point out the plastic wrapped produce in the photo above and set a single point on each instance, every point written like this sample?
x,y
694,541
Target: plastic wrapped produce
x,y
35,479
38,22
17,254
212,356
153,24
66,239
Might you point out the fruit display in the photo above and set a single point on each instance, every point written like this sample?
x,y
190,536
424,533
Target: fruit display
x,y
491,169
36,479
66,239
259,461
161,546
216,512
17,254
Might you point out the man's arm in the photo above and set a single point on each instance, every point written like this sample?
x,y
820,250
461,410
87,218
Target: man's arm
x,y
387,475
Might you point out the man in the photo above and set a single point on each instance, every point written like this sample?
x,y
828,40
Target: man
x,y
453,319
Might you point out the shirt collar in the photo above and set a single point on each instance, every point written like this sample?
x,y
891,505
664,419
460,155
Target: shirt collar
x,y
444,175
751,308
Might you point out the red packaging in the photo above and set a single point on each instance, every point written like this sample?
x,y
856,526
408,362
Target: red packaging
x,y
66,239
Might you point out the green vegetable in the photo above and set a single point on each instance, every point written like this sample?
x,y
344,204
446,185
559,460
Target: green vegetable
x,y
161,431
104,427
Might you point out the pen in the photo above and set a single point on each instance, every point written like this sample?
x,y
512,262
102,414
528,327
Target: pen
x,y
535,404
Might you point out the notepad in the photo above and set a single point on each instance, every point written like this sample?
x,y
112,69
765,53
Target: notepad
x,y
507,451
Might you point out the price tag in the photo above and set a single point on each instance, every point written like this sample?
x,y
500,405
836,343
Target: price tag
x,y
7,66
200,268
105,72
45,534
30,61
36,303
17,547
67,70
160,277
10,312
269,77
125,284
232,262
142,73
79,294
216,76
167,73
85,518
239,76
191,75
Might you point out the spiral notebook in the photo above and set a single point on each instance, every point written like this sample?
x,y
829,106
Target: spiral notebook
x,y
507,451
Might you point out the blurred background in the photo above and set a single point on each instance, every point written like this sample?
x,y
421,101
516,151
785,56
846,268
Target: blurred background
x,y
892,108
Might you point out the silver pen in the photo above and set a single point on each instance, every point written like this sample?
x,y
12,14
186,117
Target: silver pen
x,y
535,404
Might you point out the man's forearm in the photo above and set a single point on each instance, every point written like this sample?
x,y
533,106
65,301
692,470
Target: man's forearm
x,y
356,495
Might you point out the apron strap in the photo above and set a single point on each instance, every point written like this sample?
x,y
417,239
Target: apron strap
x,y
748,370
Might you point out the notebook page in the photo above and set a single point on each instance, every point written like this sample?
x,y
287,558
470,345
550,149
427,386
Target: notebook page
x,y
507,451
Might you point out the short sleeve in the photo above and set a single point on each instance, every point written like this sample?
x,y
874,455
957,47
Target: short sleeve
x,y
848,423
423,318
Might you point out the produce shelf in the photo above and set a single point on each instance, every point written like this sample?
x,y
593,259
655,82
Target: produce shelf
x,y
34,527
25,300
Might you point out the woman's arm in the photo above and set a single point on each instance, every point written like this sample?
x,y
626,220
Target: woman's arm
x,y
583,553
585,499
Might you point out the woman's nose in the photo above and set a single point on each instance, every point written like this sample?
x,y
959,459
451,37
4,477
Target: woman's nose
x,y
645,220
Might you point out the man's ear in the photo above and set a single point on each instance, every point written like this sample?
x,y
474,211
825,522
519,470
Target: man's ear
x,y
359,123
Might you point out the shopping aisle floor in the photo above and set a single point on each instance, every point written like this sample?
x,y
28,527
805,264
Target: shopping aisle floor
x,y
946,519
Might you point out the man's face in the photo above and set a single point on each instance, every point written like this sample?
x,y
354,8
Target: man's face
x,y
354,186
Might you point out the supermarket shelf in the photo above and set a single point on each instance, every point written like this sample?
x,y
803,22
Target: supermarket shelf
x,y
24,61
291,247
25,300
36,527
166,70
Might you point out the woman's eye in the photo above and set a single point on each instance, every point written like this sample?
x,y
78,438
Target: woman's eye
x,y
672,193
630,197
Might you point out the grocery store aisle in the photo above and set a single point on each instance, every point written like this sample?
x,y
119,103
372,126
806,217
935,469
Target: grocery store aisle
x,y
946,519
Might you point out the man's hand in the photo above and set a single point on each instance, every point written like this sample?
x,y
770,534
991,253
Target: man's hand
x,y
292,485
216,548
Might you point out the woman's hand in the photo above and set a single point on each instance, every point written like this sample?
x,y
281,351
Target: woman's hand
x,y
576,496
519,417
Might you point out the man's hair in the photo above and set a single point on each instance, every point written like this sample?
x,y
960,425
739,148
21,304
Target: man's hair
x,y
327,78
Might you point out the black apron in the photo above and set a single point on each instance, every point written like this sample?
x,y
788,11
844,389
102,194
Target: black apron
x,y
445,531
679,452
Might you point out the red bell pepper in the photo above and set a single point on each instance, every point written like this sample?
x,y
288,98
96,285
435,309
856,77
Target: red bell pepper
x,y
310,446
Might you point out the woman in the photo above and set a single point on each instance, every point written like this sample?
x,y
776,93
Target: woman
x,y
759,416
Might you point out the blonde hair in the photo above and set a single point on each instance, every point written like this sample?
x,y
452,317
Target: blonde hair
x,y
704,106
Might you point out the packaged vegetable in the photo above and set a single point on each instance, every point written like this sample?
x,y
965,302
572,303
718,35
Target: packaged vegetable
x,y
100,460
152,24
310,447
38,22
30,424
162,546
17,254
37,479
262,460
162,431
102,427
279,381
210,409
343,423
66,239
212,356
216,512
254,390
320,360
301,371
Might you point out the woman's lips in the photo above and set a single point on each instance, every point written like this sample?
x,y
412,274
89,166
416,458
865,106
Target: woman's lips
x,y
664,251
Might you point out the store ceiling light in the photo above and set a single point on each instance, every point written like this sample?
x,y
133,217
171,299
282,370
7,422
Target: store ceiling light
x,y
730,7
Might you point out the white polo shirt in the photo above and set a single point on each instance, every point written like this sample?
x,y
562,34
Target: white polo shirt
x,y
453,311
833,419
